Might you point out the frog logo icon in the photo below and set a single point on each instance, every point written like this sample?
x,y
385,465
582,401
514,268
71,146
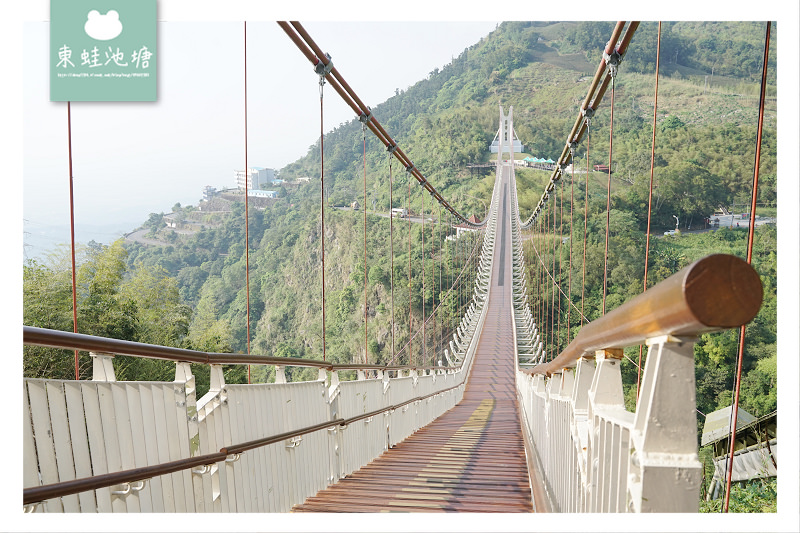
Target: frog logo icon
x,y
103,27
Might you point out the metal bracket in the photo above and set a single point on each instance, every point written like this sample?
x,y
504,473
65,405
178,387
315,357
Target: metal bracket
x,y
573,146
410,168
128,487
204,469
612,62
391,149
232,458
294,442
323,70
588,112
365,118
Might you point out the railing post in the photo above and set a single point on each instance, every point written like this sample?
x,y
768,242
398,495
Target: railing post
x,y
335,446
605,394
566,451
280,374
103,367
184,376
665,472
584,374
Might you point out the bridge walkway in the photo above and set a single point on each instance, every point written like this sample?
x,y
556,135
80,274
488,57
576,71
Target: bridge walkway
x,y
471,458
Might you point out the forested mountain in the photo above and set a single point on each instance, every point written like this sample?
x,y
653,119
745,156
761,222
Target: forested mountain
x,y
707,117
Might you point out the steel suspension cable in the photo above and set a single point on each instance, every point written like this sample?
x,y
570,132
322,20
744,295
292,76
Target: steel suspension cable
x,y
246,203
585,214
366,345
750,237
409,268
539,278
535,249
438,326
442,324
650,194
391,244
608,196
72,234
322,203
571,220
560,255
424,338
544,227
553,349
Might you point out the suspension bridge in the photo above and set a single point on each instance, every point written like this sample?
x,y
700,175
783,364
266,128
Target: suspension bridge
x,y
494,415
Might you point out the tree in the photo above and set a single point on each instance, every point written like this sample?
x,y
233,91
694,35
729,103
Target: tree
x,y
162,318
47,303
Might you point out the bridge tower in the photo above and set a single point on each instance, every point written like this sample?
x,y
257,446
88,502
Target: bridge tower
x,y
506,136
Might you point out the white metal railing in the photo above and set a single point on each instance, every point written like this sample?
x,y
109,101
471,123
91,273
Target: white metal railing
x,y
82,429
589,454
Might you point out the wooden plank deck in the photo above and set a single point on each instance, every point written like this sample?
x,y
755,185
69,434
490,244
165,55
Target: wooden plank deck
x,y
471,459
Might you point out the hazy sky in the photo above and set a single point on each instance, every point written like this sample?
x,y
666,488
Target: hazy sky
x,y
130,159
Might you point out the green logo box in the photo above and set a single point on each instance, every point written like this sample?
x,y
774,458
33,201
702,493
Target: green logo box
x,y
103,51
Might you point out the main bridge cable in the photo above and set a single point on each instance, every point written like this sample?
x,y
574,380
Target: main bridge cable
x,y
316,56
589,106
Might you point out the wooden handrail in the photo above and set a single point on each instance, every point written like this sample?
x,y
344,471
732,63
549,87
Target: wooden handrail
x,y
78,341
714,293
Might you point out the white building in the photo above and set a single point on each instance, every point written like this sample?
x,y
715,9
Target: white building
x,y
255,177
257,193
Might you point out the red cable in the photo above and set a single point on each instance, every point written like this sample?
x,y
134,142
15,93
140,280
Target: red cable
x,y
608,197
585,215
391,245
72,235
750,235
322,205
246,214
424,338
553,348
560,255
569,279
441,324
366,346
409,267
650,196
